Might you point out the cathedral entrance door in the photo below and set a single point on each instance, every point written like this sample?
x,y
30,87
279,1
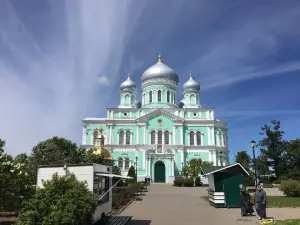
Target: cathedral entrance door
x,y
159,172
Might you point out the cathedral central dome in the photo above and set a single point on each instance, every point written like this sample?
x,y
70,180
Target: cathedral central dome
x,y
160,70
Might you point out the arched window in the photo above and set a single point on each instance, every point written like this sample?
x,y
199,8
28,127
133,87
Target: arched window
x,y
128,137
95,137
153,137
198,138
192,141
150,96
159,137
159,96
127,99
168,96
167,134
126,163
120,163
121,137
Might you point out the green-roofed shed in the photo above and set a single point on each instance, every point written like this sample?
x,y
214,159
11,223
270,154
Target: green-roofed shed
x,y
224,184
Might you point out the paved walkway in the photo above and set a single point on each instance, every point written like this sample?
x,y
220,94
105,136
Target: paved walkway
x,y
165,204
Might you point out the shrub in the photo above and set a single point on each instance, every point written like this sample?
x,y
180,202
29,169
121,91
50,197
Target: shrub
x,y
290,188
249,181
277,182
63,200
178,182
188,182
198,182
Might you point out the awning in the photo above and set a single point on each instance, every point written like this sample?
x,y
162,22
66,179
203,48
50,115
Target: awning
x,y
207,170
113,175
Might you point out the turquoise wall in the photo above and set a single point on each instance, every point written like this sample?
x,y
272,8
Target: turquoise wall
x,y
204,130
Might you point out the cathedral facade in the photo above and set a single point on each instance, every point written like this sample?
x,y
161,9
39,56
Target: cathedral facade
x,y
159,135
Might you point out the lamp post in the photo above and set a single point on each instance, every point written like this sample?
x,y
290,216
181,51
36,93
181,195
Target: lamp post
x,y
253,144
136,167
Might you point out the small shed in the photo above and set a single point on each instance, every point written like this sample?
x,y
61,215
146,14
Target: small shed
x,y
224,184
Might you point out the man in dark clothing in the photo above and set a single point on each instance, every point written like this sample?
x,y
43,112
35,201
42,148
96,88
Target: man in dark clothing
x,y
260,202
246,207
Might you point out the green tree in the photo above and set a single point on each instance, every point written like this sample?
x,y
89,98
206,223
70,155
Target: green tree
x,y
273,146
13,180
262,165
63,200
57,151
293,159
2,145
131,173
194,168
244,159
117,171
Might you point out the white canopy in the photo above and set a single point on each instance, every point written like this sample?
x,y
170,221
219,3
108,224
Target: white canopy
x,y
113,175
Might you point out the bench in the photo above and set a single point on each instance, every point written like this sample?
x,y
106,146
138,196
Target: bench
x,y
119,220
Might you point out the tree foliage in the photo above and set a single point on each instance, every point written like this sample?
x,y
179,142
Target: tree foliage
x,y
131,173
244,159
57,151
193,168
273,146
13,181
63,200
293,159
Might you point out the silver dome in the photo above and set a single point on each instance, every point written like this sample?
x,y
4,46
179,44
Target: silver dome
x,y
160,70
138,103
191,84
181,103
128,83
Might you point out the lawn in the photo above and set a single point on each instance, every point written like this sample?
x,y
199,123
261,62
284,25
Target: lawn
x,y
276,201
288,222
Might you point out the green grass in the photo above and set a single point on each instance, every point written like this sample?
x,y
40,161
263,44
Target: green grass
x,y
275,201
288,222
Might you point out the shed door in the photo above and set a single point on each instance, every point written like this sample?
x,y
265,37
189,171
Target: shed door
x,y
232,190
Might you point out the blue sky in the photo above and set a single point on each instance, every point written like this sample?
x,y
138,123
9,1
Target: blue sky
x,y
61,61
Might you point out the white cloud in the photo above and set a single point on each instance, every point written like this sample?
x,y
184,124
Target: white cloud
x,y
103,81
46,93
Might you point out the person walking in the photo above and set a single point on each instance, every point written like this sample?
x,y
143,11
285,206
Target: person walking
x,y
260,198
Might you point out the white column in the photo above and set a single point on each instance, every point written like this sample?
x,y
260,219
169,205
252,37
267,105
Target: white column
x,y
137,134
144,159
208,135
214,158
149,167
213,135
212,115
209,155
112,114
123,163
156,137
131,135
172,167
110,134
182,156
174,135
163,137
207,115
83,135
145,139
107,114
202,139
182,136
146,165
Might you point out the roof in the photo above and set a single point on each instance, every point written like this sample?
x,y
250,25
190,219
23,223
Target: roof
x,y
207,170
